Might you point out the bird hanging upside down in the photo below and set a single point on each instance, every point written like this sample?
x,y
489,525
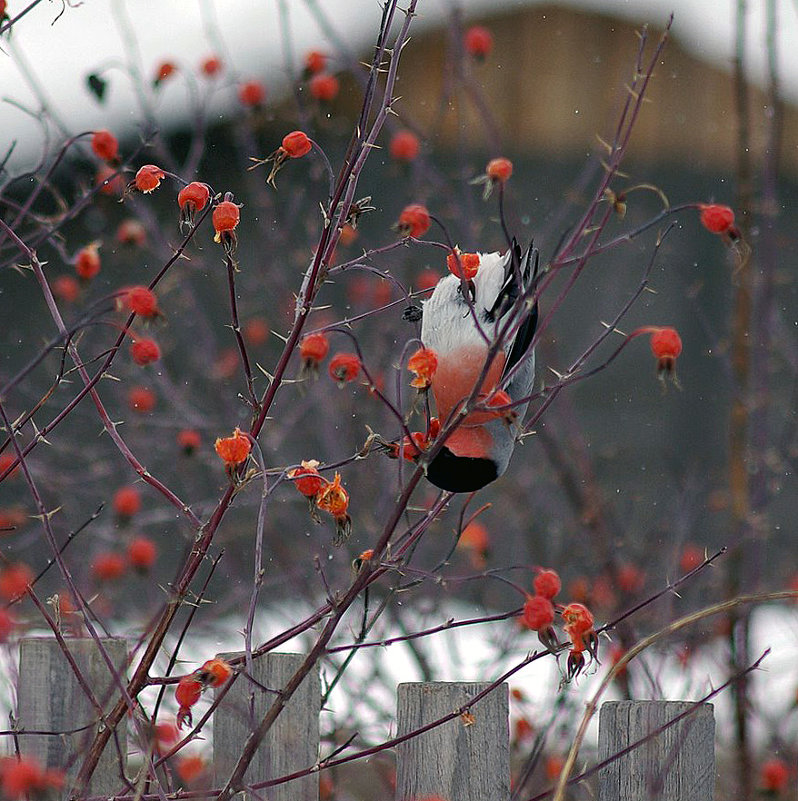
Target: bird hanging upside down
x,y
479,449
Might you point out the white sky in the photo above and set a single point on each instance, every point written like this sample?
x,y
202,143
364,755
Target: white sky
x,y
88,36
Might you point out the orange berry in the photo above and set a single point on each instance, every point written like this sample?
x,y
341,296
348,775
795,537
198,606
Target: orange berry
x,y
149,178
315,62
404,146
547,583
333,498
187,693
233,450
348,235
127,502
499,170
189,440
108,566
66,288
324,87
251,94
474,537
538,613
307,478
166,734
15,578
145,351
105,145
214,673
716,218
578,620
190,768
413,221
256,331
463,265
141,399
87,263
296,144
142,301
424,363
211,66
344,367
478,41
141,553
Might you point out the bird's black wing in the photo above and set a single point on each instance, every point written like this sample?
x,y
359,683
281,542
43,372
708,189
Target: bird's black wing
x,y
529,265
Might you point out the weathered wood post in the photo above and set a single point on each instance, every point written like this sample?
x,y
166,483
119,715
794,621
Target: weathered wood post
x,y
51,699
465,759
293,741
678,764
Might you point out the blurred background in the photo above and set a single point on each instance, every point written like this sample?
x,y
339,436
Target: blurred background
x,y
626,483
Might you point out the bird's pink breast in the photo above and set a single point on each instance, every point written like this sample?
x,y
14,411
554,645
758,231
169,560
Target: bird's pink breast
x,y
456,376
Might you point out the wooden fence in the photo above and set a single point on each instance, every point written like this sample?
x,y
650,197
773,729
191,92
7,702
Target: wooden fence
x,y
465,759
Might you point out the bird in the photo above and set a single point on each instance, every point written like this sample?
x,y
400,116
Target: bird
x,y
478,451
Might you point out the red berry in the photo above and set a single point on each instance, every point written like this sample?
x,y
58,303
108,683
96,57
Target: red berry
x,y
189,440
194,196
774,775
538,613
233,450
463,265
110,181
478,41
105,145
131,232
211,66
716,218
142,301
108,566
7,625
324,87
344,367
314,347
578,620
66,288
214,672
307,478
547,583
141,553
15,578
149,178
666,345
251,93
499,170
87,262
256,331
188,691
296,144
692,556
226,216
423,363
404,146
141,399
414,220
127,502
145,351
315,62
165,70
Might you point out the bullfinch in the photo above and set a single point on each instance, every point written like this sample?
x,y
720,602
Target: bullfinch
x,y
479,449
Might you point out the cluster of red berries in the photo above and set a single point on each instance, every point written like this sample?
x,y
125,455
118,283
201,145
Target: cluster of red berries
x,y
539,613
213,673
328,496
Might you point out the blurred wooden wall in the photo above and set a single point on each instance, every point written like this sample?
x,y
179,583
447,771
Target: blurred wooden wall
x,y
555,79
